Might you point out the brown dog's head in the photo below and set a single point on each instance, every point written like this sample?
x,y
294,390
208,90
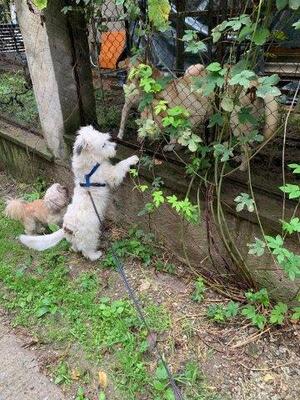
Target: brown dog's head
x,y
56,197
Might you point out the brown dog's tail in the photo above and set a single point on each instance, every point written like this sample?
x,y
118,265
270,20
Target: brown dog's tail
x,y
15,209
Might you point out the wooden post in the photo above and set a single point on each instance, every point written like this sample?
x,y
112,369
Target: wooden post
x,y
58,61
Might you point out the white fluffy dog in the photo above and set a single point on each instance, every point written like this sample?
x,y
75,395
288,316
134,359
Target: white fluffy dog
x,y
93,173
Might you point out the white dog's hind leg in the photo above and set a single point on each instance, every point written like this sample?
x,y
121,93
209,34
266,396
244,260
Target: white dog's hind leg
x,y
92,255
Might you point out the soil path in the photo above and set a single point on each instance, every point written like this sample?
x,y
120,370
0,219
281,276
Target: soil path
x,y
20,376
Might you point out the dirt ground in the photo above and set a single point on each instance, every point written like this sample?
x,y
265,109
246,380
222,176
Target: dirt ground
x,y
237,361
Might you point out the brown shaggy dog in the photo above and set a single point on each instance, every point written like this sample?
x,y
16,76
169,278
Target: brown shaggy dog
x,y
39,213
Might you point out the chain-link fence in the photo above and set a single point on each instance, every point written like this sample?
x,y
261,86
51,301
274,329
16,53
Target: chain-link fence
x,y
172,55
17,102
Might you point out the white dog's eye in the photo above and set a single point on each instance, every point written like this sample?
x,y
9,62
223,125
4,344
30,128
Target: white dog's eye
x,y
103,145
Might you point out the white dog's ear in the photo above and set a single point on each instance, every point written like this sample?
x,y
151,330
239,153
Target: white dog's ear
x,y
79,146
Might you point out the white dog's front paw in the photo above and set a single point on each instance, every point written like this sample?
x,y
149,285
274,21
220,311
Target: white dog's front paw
x,y
92,255
133,160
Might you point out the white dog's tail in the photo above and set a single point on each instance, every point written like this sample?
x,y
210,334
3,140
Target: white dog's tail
x,y
42,242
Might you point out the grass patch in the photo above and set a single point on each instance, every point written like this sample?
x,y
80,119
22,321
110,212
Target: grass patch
x,y
17,102
66,312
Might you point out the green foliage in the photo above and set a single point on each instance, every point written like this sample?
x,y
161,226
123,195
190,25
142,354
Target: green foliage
x,y
158,13
40,4
257,248
137,244
158,198
295,168
184,208
190,140
243,200
292,226
261,35
257,319
292,190
17,102
297,24
261,297
198,294
278,314
194,45
289,261
223,151
296,314
242,78
221,314
233,24
62,374
176,117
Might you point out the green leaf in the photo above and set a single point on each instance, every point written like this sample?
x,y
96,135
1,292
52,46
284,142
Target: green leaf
x,y
158,198
169,394
274,243
261,35
278,313
160,106
243,200
216,35
195,47
158,13
246,31
224,151
281,4
40,4
257,248
296,313
269,80
293,191
42,311
297,24
161,373
53,227
227,104
216,119
292,226
243,78
189,35
214,67
294,4
260,297
263,91
256,319
102,396
295,167
232,309
199,291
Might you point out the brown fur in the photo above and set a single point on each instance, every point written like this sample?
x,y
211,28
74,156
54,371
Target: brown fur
x,y
39,213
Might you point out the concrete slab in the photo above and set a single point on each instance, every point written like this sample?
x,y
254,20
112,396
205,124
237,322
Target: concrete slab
x,y
20,375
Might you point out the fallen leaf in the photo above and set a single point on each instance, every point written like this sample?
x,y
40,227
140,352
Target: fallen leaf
x,y
157,162
102,379
75,374
145,286
268,378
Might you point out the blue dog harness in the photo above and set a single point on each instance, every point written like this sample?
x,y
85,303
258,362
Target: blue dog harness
x,y
88,176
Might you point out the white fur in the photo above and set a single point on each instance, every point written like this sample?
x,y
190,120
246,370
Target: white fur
x,y
44,242
81,226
